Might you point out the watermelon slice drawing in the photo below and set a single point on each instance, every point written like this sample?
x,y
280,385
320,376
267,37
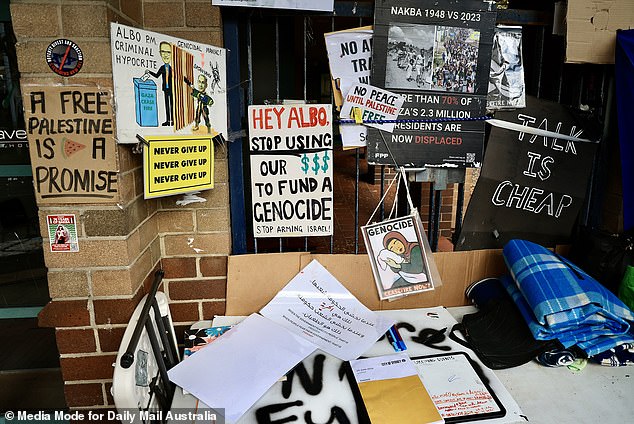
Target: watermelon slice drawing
x,y
71,147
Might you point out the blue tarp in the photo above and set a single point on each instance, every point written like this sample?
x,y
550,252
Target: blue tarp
x,y
559,301
624,69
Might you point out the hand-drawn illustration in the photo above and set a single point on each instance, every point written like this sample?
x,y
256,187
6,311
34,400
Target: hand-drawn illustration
x,y
166,73
398,257
172,82
204,101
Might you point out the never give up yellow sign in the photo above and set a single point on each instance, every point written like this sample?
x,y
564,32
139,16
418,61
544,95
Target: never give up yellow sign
x,y
177,164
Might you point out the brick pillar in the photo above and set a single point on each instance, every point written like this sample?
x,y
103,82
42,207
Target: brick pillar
x,y
95,290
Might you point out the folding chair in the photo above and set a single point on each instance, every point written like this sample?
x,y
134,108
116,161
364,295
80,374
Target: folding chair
x,y
148,350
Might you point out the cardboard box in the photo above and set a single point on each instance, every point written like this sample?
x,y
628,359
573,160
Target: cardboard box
x,y
253,280
591,28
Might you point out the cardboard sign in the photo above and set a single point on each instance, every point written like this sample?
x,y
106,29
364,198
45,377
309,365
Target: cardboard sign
x,y
177,164
164,85
62,233
291,170
71,143
531,187
437,54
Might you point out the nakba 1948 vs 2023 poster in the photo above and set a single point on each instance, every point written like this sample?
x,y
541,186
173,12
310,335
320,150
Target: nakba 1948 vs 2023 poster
x,y
437,54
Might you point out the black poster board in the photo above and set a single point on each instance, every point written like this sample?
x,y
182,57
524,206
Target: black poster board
x,y
531,187
436,54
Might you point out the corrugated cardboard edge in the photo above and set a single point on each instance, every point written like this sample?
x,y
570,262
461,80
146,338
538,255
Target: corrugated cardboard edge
x,y
591,29
253,280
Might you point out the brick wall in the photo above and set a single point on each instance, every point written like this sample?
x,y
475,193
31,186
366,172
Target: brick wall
x,y
95,290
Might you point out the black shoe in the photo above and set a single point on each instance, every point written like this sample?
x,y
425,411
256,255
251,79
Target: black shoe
x,y
166,124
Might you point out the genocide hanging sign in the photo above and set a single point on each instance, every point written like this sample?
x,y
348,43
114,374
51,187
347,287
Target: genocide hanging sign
x,y
437,55
71,143
291,170
532,186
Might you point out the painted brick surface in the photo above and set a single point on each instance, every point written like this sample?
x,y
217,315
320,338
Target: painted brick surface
x,y
201,14
84,20
175,221
198,289
164,15
179,267
216,219
25,17
115,311
111,282
91,253
90,394
184,312
213,266
87,367
64,313
68,284
211,309
110,338
133,9
97,56
76,341
197,244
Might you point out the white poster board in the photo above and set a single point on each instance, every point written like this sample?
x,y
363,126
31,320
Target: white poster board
x,y
291,170
165,85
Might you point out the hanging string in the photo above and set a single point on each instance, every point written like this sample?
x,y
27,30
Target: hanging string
x,y
383,198
398,121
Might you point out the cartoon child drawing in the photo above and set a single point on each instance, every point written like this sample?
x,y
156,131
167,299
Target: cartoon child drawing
x,y
204,101
61,235
404,258
166,73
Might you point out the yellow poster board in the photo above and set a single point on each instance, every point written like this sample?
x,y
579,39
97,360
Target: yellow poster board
x,y
177,164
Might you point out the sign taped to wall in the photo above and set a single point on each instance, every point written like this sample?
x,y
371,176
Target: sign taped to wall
x,y
62,233
177,164
165,85
71,143
291,170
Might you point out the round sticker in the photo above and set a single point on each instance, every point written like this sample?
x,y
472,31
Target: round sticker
x,y
64,57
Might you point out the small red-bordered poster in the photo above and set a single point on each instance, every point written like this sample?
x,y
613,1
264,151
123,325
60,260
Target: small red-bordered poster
x,y
62,233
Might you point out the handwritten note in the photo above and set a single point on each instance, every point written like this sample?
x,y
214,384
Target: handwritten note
x,y
319,308
456,388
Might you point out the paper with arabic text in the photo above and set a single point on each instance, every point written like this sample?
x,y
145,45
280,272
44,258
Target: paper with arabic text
x,y
317,307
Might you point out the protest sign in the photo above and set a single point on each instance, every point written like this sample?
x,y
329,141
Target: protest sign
x,y
350,59
438,56
531,187
177,164
291,170
62,233
71,144
375,104
164,85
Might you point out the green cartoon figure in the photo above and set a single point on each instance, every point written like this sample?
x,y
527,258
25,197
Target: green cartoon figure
x,y
204,101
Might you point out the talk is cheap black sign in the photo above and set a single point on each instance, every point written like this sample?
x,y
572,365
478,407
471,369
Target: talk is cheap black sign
x,y
531,187
71,143
437,55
